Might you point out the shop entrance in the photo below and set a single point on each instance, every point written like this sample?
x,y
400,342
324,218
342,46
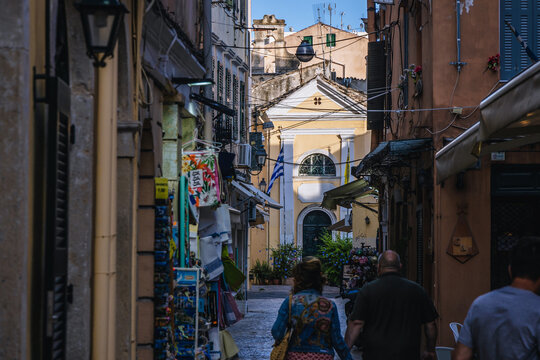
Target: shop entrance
x,y
314,224
515,210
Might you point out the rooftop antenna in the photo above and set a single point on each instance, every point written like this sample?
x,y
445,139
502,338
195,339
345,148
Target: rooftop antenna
x,y
317,10
342,13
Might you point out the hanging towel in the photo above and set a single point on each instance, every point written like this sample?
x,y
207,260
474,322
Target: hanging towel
x,y
228,347
210,257
216,223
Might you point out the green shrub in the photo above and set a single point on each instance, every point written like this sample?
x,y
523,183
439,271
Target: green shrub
x,y
284,258
262,271
333,255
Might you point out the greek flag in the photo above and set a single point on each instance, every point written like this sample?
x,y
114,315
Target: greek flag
x,y
278,171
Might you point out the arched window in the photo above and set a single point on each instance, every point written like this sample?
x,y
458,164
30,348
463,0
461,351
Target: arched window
x,y
317,165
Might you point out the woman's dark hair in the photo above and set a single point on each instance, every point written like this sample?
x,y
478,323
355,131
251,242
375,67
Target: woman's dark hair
x,y
525,258
308,275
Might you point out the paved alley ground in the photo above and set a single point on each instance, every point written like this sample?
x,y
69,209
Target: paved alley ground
x,y
252,334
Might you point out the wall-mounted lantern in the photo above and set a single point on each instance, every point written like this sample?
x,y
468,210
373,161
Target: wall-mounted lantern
x,y
101,20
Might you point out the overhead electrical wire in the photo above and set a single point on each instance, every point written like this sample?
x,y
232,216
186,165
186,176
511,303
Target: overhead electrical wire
x,y
296,46
311,165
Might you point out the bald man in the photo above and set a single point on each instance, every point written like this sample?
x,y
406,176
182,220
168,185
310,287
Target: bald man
x,y
389,314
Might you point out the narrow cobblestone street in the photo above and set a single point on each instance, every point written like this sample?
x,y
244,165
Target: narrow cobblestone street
x,y
252,334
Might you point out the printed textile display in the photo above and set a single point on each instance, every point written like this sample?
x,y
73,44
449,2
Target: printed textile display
x,y
203,179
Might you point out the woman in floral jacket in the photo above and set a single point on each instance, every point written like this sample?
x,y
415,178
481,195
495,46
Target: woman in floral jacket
x,y
315,319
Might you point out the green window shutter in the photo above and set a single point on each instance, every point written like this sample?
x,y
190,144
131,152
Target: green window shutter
x,y
330,40
242,110
309,39
524,15
235,107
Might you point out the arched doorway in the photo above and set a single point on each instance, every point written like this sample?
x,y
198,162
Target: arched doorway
x,y
315,222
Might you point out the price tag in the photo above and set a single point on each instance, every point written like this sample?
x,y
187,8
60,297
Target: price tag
x,y
196,179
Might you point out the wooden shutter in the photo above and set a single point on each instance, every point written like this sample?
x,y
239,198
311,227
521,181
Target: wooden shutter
x,y
242,110
524,15
309,39
330,40
235,107
56,238
376,80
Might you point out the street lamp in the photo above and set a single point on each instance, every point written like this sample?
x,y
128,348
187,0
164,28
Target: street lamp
x,y
262,185
260,155
101,20
305,52
192,81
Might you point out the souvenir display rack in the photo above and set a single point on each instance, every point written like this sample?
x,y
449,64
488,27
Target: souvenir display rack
x,y
360,269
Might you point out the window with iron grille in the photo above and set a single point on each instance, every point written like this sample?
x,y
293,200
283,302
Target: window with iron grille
x,y
235,107
242,110
524,15
330,40
317,165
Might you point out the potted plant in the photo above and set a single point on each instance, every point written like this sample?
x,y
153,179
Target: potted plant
x,y
276,277
334,253
284,257
261,271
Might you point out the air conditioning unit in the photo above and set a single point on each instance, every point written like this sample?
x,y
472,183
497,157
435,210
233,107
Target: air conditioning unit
x,y
243,160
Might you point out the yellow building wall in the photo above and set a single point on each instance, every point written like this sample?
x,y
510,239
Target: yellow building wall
x,y
269,238
362,231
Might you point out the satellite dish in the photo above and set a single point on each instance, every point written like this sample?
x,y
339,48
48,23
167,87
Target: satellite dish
x,y
349,27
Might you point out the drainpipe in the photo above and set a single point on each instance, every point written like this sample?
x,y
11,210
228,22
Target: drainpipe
x,y
104,249
207,46
139,11
459,64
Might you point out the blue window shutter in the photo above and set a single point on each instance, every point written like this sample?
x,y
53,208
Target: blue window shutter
x,y
524,15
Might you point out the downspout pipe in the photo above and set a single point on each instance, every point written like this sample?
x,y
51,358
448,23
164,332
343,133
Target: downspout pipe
x,y
458,63
207,48
104,247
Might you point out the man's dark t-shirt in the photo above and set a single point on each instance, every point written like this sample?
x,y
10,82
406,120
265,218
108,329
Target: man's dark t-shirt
x,y
393,309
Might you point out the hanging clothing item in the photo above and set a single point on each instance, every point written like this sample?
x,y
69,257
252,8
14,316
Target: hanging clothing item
x,y
203,179
211,257
216,223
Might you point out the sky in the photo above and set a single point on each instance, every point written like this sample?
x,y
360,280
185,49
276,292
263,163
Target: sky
x,y
300,14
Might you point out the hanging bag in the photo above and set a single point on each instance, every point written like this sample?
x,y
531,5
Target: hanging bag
x,y
279,351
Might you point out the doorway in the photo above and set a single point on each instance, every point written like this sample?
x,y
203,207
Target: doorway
x,y
315,222
515,210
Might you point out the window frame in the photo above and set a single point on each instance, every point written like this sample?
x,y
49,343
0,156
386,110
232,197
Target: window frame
x,y
324,166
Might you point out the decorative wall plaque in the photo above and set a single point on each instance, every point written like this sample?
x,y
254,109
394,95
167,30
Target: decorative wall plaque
x,y
462,246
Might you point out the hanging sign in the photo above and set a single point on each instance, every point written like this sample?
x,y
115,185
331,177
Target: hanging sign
x,y
462,246
162,188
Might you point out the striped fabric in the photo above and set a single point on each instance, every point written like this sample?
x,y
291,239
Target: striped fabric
x,y
278,171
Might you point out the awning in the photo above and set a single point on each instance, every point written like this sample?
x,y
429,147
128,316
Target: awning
x,y
252,192
340,226
261,217
514,109
391,154
458,155
346,194
510,119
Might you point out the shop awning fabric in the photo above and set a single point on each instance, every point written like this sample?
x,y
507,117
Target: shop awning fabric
x,y
346,194
252,192
510,119
340,226
390,154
